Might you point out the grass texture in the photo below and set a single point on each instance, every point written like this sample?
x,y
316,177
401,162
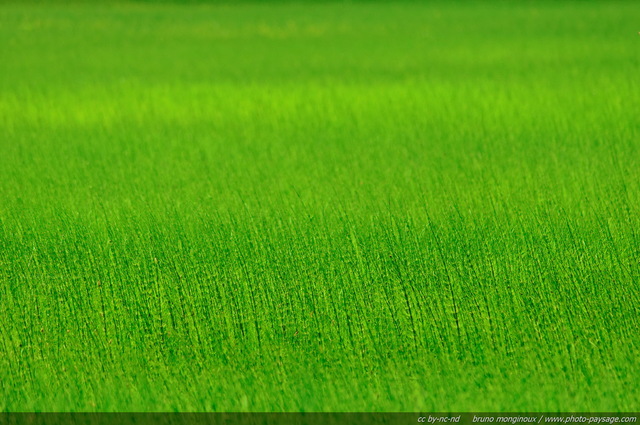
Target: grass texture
x,y
320,207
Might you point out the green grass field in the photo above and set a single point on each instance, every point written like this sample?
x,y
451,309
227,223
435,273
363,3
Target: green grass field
x,y
320,207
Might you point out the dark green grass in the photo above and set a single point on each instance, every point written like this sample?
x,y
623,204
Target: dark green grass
x,y
349,207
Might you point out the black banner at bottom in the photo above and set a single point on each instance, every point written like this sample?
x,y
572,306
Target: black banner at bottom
x,y
315,418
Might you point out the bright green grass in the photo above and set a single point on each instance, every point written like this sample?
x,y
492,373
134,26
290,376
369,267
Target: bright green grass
x,y
349,207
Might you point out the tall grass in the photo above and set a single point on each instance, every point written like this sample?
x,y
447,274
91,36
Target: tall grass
x,y
351,207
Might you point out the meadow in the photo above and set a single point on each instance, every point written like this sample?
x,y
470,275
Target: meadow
x,y
289,206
